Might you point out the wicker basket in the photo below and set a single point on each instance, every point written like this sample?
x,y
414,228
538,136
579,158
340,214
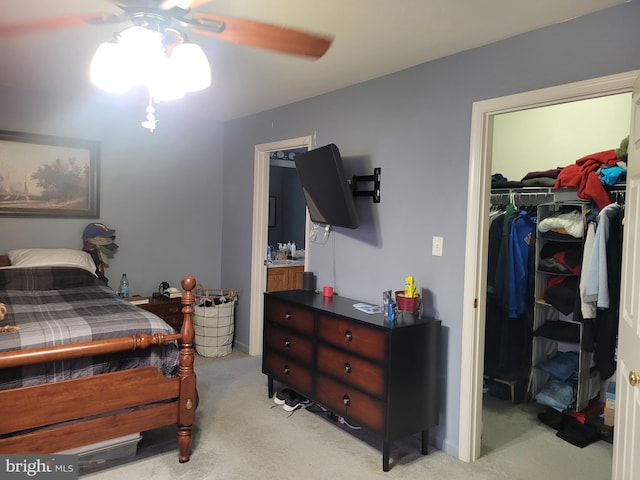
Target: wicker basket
x,y
213,321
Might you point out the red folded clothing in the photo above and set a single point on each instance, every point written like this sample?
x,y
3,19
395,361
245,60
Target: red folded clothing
x,y
561,258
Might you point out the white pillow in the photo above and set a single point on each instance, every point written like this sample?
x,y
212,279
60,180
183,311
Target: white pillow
x,y
46,257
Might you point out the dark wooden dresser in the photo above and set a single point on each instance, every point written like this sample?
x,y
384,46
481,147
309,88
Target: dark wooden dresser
x,y
382,377
168,309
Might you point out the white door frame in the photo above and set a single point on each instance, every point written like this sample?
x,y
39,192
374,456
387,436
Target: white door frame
x,y
476,250
260,233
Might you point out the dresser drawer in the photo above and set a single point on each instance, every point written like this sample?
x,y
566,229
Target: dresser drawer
x,y
351,370
288,343
351,404
287,371
353,337
297,319
168,310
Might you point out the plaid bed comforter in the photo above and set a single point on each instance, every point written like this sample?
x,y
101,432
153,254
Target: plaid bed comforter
x,y
62,305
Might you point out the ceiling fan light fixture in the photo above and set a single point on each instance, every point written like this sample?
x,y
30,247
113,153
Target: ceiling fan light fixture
x,y
108,71
142,54
165,84
191,66
154,56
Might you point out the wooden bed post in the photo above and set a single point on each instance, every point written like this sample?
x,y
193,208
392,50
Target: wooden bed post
x,y
188,393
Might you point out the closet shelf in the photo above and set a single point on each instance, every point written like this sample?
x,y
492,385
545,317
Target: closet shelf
x,y
560,274
559,330
559,237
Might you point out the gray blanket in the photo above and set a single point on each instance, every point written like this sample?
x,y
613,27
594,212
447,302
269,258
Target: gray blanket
x,y
62,305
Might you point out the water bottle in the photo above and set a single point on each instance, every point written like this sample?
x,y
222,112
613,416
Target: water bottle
x,y
124,286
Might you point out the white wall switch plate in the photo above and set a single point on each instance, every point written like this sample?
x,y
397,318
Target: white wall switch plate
x,y
436,248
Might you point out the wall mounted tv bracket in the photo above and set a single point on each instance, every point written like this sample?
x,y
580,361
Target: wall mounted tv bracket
x,y
375,178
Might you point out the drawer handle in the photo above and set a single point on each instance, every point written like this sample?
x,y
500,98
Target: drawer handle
x,y
348,336
286,370
347,368
287,342
346,400
287,316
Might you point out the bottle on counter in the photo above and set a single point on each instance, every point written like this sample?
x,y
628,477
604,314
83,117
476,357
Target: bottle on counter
x,y
124,286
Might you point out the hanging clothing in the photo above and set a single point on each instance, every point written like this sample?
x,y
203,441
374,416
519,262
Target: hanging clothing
x,y
507,331
588,308
596,289
519,241
501,282
601,292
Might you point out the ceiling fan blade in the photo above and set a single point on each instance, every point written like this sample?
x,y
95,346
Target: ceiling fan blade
x,y
262,35
52,23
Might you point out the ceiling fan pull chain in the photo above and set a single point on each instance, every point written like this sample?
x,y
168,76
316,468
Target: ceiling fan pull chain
x,y
151,121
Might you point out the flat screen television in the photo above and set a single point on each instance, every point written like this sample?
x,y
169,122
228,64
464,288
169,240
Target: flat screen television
x,y
326,187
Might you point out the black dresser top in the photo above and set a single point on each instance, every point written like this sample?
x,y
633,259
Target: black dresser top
x,y
343,307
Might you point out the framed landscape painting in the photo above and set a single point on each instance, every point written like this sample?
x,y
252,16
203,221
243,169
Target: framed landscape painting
x,y
48,176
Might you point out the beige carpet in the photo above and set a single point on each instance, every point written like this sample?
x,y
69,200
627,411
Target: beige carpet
x,y
241,435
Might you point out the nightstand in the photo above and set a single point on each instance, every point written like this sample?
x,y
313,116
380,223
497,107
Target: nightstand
x,y
168,309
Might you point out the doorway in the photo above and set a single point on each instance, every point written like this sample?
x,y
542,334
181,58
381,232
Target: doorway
x,y
259,241
474,306
287,206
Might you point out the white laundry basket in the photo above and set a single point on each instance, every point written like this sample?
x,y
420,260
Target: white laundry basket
x,y
213,321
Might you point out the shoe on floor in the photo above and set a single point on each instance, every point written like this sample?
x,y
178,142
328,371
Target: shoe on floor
x,y
295,401
283,395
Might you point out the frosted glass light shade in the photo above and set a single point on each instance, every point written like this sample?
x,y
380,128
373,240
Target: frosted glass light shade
x,y
165,84
144,53
108,69
191,67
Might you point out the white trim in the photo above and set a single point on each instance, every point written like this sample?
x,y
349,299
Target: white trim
x,y
476,250
260,233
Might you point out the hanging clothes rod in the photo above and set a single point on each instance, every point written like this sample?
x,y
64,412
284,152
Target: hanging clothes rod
x,y
538,195
617,196
522,197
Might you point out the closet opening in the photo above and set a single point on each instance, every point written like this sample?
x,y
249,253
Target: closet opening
x,y
486,148
530,148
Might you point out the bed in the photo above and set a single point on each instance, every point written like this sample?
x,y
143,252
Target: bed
x,y
80,365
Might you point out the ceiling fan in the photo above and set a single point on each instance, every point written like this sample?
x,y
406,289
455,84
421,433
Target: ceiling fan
x,y
172,13
153,51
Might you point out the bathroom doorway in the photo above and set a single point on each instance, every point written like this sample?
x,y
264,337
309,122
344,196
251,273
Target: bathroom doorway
x,y
261,175
287,207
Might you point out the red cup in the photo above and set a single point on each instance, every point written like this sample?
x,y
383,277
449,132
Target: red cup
x,y
327,292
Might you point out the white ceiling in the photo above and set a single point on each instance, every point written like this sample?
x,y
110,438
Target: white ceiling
x,y
371,38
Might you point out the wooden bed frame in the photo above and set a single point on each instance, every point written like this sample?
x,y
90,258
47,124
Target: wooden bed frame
x,y
59,416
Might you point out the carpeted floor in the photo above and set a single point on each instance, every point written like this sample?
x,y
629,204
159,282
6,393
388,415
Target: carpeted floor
x,y
241,435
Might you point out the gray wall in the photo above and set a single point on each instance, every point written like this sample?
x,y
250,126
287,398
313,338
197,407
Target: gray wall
x,y
414,125
161,191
